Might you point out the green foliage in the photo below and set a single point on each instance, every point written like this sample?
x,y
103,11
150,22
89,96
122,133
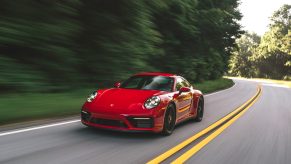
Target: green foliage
x,y
36,42
274,51
197,37
240,61
271,58
50,45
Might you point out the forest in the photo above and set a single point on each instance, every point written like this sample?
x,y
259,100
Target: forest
x,y
58,45
267,56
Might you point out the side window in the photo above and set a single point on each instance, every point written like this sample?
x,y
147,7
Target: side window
x,y
186,83
179,83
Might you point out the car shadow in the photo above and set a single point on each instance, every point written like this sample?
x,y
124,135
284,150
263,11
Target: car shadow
x,y
98,132
116,134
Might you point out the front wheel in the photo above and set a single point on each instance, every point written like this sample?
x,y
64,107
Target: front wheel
x,y
200,111
169,120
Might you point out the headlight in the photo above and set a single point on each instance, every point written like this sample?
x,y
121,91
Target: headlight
x,y
92,96
152,102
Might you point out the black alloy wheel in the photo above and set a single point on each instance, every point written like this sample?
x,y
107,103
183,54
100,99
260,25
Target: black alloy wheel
x,y
200,111
169,120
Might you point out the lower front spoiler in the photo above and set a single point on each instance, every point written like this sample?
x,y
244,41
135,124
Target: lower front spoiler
x,y
121,129
118,129
123,122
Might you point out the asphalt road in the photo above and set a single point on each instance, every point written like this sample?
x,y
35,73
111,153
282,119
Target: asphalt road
x,y
261,135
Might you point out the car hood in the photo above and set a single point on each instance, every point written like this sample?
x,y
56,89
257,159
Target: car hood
x,y
122,99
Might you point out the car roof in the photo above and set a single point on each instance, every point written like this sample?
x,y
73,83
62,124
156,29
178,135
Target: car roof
x,y
155,74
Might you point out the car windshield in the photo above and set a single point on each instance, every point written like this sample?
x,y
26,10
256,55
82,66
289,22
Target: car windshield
x,y
161,83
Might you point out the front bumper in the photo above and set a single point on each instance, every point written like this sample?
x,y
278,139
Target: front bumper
x,y
123,122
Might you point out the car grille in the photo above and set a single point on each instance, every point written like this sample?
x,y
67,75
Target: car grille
x,y
141,123
107,122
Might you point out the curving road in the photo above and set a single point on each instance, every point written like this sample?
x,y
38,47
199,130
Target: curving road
x,y
261,135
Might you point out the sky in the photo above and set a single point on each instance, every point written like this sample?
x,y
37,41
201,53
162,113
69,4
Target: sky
x,y
256,13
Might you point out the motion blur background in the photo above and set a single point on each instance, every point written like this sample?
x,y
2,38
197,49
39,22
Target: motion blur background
x,y
53,52
52,45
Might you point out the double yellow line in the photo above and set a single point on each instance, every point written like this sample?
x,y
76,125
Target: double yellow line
x,y
221,125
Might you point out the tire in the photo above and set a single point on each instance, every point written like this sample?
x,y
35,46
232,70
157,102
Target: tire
x,y
200,111
169,120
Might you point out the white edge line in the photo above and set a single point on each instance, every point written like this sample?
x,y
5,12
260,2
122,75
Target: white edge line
x,y
71,121
220,90
37,127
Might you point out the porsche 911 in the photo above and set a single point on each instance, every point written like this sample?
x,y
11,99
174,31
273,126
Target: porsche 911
x,y
151,101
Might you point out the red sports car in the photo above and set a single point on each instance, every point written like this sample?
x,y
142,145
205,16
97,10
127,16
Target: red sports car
x,y
149,101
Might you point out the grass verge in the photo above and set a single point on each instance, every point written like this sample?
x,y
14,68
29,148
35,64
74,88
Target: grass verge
x,y
25,107
214,85
31,106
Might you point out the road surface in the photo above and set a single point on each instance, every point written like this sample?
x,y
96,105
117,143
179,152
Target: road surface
x,y
261,135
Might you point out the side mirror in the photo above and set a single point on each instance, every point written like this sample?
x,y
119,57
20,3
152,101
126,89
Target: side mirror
x,y
117,84
184,89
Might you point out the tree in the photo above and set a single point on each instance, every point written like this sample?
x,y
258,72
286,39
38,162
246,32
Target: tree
x,y
198,36
270,57
118,37
51,45
37,40
273,57
240,61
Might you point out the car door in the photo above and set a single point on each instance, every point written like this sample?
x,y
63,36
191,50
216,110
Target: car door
x,y
183,100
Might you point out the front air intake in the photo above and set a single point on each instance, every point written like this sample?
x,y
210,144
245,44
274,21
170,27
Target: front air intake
x,y
141,122
85,116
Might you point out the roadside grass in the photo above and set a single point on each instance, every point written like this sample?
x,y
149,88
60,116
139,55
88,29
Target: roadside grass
x,y
31,106
281,82
214,85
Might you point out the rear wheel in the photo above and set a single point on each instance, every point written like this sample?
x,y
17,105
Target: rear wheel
x,y
200,111
169,120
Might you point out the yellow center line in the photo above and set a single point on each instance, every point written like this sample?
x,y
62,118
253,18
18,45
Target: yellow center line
x,y
213,135
180,146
